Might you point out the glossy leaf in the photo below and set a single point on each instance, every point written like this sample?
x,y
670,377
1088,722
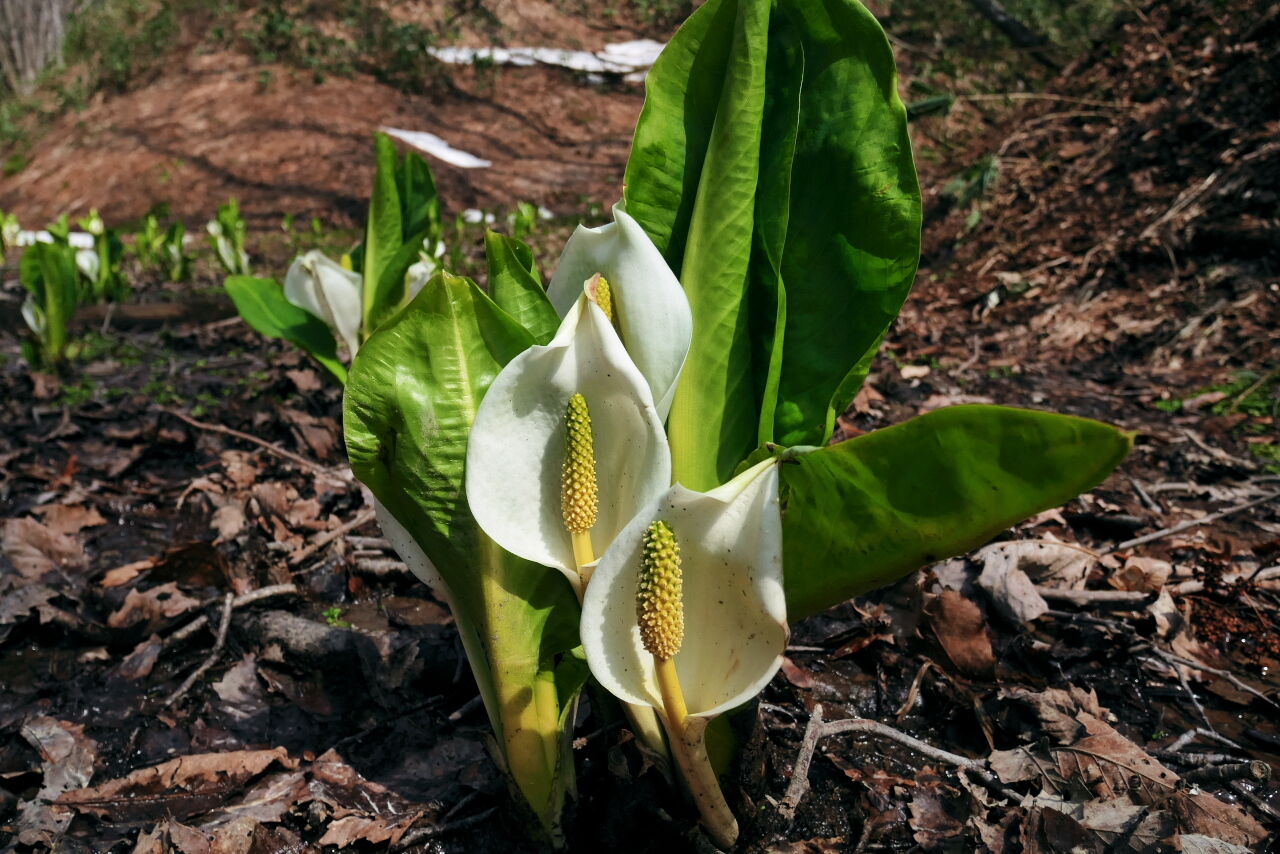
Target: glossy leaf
x,y
419,199
383,235
48,272
796,248
862,513
262,304
515,285
413,394
853,227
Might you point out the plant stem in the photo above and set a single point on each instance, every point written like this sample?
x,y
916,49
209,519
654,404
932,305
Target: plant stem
x,y
688,745
583,554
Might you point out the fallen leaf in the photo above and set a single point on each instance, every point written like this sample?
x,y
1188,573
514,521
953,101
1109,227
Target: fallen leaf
x,y
1144,574
182,787
35,549
139,663
364,810
1195,843
67,757
319,433
304,380
154,606
1200,813
228,520
69,518
961,629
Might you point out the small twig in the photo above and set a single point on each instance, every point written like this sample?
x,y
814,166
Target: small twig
x,y
364,518
418,834
1193,760
1256,802
800,769
1097,598
1037,96
1145,497
1199,732
914,691
1195,701
1170,658
240,601
817,729
270,446
1191,523
465,709
228,603
1253,771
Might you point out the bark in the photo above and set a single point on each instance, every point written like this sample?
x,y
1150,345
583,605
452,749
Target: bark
x,y
31,35
1017,32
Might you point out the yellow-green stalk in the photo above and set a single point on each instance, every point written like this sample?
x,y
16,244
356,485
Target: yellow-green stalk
x,y
660,613
579,494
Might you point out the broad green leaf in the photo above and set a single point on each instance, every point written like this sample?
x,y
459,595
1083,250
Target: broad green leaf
x,y
48,272
714,417
515,285
419,199
853,236
797,248
262,304
412,396
392,290
862,513
383,233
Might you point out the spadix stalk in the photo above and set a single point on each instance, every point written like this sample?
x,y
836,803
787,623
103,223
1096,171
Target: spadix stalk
x,y
686,613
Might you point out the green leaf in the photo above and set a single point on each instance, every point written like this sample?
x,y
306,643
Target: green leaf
x,y
862,513
383,235
516,286
392,288
796,249
419,199
48,272
714,417
262,304
410,402
853,237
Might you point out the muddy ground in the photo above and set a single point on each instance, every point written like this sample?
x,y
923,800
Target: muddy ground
x,y
1101,678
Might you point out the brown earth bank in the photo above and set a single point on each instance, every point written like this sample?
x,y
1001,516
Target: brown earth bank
x,y
214,124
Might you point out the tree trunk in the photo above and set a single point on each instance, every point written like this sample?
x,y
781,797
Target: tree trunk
x,y
31,34
1017,32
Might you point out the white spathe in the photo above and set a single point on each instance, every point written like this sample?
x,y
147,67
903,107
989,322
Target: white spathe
x,y
652,311
323,287
517,446
735,620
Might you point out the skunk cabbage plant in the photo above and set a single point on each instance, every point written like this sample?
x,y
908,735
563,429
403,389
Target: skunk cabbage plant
x,y
48,272
631,469
325,303
226,233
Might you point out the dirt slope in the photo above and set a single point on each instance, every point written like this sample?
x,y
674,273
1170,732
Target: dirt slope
x,y
215,124
1137,217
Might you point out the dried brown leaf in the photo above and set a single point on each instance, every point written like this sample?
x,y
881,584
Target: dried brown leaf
x,y
186,786
154,606
68,757
35,549
69,518
961,629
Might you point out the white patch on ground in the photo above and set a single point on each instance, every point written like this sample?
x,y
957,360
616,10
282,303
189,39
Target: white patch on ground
x,y
438,148
631,59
